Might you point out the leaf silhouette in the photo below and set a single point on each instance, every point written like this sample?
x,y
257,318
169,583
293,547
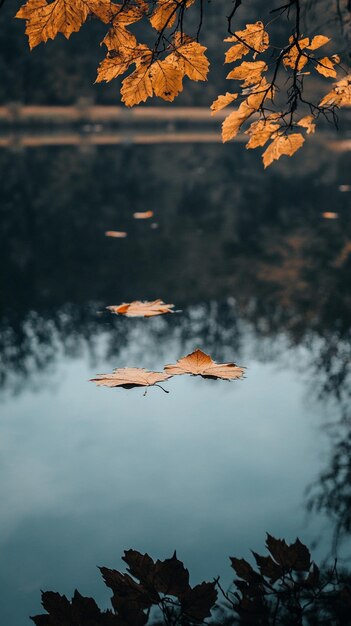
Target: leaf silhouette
x,y
199,363
171,577
198,602
141,308
129,377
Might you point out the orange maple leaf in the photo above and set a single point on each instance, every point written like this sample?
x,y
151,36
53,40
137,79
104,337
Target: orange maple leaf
x,y
129,377
140,308
199,363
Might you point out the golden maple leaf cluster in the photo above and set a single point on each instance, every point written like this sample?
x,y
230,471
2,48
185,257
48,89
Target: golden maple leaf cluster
x,y
161,69
266,124
197,363
156,72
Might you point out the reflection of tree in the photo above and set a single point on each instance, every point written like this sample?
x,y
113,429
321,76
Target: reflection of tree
x,y
228,231
284,588
331,493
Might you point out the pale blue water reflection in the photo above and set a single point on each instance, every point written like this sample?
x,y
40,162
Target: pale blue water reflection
x,y
207,469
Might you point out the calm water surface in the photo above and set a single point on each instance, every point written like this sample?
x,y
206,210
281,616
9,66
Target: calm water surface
x,y
261,278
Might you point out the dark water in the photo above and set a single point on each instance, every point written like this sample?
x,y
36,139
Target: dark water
x,y
261,278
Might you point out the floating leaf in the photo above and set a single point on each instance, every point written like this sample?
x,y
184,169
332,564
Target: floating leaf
x,y
282,145
118,234
140,308
143,215
129,377
330,215
199,363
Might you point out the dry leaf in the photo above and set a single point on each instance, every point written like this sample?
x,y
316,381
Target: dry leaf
x,y
285,144
330,215
260,132
129,377
318,41
143,215
250,73
294,58
200,364
116,233
141,308
234,121
165,13
137,87
166,79
325,66
254,36
308,123
44,21
189,57
340,95
222,102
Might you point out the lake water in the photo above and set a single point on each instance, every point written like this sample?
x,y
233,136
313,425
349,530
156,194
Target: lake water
x,y
261,279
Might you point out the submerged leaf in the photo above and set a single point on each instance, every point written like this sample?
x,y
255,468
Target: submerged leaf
x,y
199,363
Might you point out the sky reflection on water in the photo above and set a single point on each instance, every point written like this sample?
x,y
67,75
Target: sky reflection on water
x,y
212,466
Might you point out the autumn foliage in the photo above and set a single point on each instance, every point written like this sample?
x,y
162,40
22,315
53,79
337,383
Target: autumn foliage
x,y
267,77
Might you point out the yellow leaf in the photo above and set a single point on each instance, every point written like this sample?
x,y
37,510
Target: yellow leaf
x,y
250,73
165,13
143,308
199,363
108,11
44,21
137,87
111,67
308,123
232,124
294,58
253,102
340,95
325,66
222,102
254,36
189,56
318,41
260,132
287,145
166,79
119,37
